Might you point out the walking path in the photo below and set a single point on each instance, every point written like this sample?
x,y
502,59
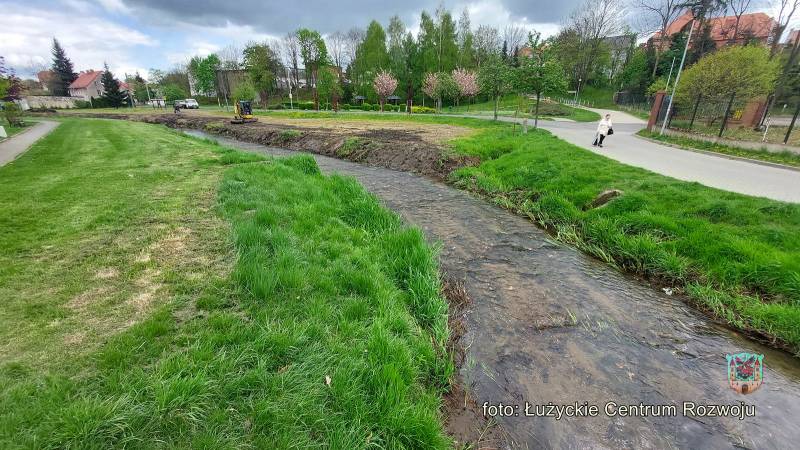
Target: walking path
x,y
715,171
15,145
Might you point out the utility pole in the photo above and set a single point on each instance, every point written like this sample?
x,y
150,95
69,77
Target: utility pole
x,y
669,77
677,79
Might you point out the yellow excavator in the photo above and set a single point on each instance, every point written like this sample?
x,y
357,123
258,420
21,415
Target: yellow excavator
x,y
243,112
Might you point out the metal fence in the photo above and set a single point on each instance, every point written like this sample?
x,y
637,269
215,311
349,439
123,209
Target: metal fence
x,y
734,118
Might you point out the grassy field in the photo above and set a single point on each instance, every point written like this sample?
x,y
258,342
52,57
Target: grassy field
x,y
786,157
737,256
509,103
508,107
163,291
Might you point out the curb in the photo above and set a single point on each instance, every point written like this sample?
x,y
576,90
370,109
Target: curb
x,y
720,155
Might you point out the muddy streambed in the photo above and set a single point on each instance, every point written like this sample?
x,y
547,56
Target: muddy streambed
x,y
549,324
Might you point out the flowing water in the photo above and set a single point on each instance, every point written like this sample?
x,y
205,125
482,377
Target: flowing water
x,y
549,324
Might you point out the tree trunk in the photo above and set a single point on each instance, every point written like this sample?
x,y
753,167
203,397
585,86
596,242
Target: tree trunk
x,y
536,117
496,103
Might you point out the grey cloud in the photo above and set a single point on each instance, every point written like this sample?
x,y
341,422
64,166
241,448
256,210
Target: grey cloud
x,y
542,11
277,17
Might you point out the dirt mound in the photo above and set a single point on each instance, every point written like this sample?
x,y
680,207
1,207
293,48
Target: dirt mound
x,y
376,145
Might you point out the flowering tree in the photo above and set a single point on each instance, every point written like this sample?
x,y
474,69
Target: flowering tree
x,y
439,85
430,86
466,83
385,85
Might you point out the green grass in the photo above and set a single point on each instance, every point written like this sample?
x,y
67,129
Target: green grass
x,y
785,157
737,256
509,103
775,135
162,291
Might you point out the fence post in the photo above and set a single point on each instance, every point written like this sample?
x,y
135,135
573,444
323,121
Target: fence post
x,y
727,112
791,125
694,113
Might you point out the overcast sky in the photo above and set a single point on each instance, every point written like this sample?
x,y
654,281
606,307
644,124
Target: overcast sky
x,y
136,35
141,34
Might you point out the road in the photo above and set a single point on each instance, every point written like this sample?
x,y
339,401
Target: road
x,y
547,323
715,171
15,145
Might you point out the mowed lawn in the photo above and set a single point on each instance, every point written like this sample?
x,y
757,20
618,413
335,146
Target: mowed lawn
x,y
161,291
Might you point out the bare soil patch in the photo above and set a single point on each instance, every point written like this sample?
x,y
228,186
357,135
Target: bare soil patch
x,y
405,146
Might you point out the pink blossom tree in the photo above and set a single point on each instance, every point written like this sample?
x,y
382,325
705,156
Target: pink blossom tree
x,y
430,86
385,84
466,83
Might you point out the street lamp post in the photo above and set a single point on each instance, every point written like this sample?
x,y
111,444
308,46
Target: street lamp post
x,y
677,79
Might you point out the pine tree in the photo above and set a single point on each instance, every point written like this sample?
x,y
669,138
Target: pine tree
x,y
112,95
63,73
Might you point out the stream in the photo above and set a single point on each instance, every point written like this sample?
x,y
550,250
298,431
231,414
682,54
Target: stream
x,y
547,323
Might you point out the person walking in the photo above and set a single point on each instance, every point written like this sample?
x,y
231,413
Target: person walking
x,y
604,128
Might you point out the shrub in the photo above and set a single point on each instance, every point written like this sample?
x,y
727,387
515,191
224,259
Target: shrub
x,y
422,110
82,104
345,106
12,113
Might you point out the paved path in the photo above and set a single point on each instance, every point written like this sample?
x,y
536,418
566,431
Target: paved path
x,y
715,171
15,145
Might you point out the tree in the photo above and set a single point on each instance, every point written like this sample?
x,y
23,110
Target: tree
x,y
328,85
466,83
702,10
486,42
244,91
4,75
335,42
262,65
580,46
204,73
111,93
63,72
466,49
747,71
291,53
10,84
513,36
173,92
447,48
658,14
739,8
314,54
539,74
786,10
384,84
438,85
371,58
494,79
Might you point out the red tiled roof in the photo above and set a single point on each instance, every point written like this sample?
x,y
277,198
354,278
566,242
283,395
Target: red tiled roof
x,y
85,79
758,24
123,86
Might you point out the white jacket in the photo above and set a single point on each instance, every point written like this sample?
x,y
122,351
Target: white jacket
x,y
603,126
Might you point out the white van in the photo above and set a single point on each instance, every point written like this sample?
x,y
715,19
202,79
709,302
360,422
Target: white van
x,y
191,103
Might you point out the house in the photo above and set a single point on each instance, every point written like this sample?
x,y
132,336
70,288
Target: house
x,y
88,85
756,27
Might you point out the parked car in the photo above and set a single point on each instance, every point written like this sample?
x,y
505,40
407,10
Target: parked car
x,y
180,104
191,103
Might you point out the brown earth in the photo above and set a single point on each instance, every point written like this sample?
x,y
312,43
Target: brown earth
x,y
409,147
